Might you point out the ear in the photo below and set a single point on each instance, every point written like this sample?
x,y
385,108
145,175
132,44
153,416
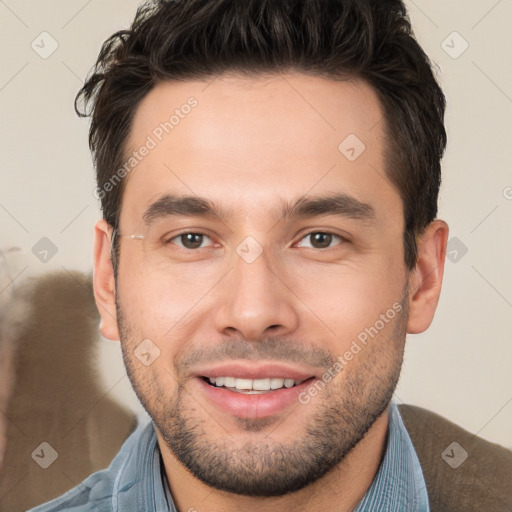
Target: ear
x,y
103,281
426,278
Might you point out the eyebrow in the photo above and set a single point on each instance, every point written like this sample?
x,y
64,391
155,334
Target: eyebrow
x,y
339,204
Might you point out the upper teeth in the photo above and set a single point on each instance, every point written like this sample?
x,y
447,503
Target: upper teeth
x,y
256,384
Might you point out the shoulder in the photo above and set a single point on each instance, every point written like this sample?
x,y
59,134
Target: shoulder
x,y
92,495
96,492
462,471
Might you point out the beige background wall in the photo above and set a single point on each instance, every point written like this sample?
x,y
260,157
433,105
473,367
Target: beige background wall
x,y
461,367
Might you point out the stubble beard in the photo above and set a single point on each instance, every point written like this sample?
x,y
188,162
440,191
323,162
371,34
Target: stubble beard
x,y
345,411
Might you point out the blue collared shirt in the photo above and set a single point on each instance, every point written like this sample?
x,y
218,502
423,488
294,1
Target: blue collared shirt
x,y
135,481
399,483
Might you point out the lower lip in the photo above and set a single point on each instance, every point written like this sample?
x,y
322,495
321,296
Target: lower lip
x,y
253,406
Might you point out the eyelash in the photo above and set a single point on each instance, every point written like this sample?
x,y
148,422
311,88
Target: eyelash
x,y
339,237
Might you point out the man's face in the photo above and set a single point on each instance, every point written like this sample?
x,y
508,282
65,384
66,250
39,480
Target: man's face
x,y
253,294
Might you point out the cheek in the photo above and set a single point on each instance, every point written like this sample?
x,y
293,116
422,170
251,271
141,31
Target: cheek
x,y
155,304
347,300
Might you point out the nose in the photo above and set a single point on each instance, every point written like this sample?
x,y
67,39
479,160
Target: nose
x,y
255,301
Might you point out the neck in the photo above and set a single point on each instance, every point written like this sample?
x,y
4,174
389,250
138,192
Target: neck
x,y
345,485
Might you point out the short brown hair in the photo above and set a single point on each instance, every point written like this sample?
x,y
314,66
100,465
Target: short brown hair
x,y
197,39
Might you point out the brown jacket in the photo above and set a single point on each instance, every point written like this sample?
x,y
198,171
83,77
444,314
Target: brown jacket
x,y
482,482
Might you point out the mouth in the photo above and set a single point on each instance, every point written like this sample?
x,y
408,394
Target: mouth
x,y
252,391
249,389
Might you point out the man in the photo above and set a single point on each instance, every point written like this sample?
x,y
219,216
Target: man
x,y
268,174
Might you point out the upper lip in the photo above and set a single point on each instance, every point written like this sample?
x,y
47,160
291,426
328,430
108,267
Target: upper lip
x,y
244,370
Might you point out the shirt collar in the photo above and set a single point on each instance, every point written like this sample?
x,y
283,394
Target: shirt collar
x,y
139,483
399,483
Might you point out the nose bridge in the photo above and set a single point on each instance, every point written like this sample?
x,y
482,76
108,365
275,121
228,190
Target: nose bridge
x,y
255,298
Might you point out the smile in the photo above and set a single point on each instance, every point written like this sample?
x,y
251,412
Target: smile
x,y
252,386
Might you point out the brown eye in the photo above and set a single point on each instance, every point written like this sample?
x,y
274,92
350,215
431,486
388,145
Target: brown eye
x,y
320,240
190,240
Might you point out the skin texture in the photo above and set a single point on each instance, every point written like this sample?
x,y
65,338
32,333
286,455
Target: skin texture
x,y
251,145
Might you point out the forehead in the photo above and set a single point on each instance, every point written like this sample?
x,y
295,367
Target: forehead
x,y
273,108
236,139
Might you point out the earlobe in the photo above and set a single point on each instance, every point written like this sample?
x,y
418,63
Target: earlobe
x,y
426,278
103,281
